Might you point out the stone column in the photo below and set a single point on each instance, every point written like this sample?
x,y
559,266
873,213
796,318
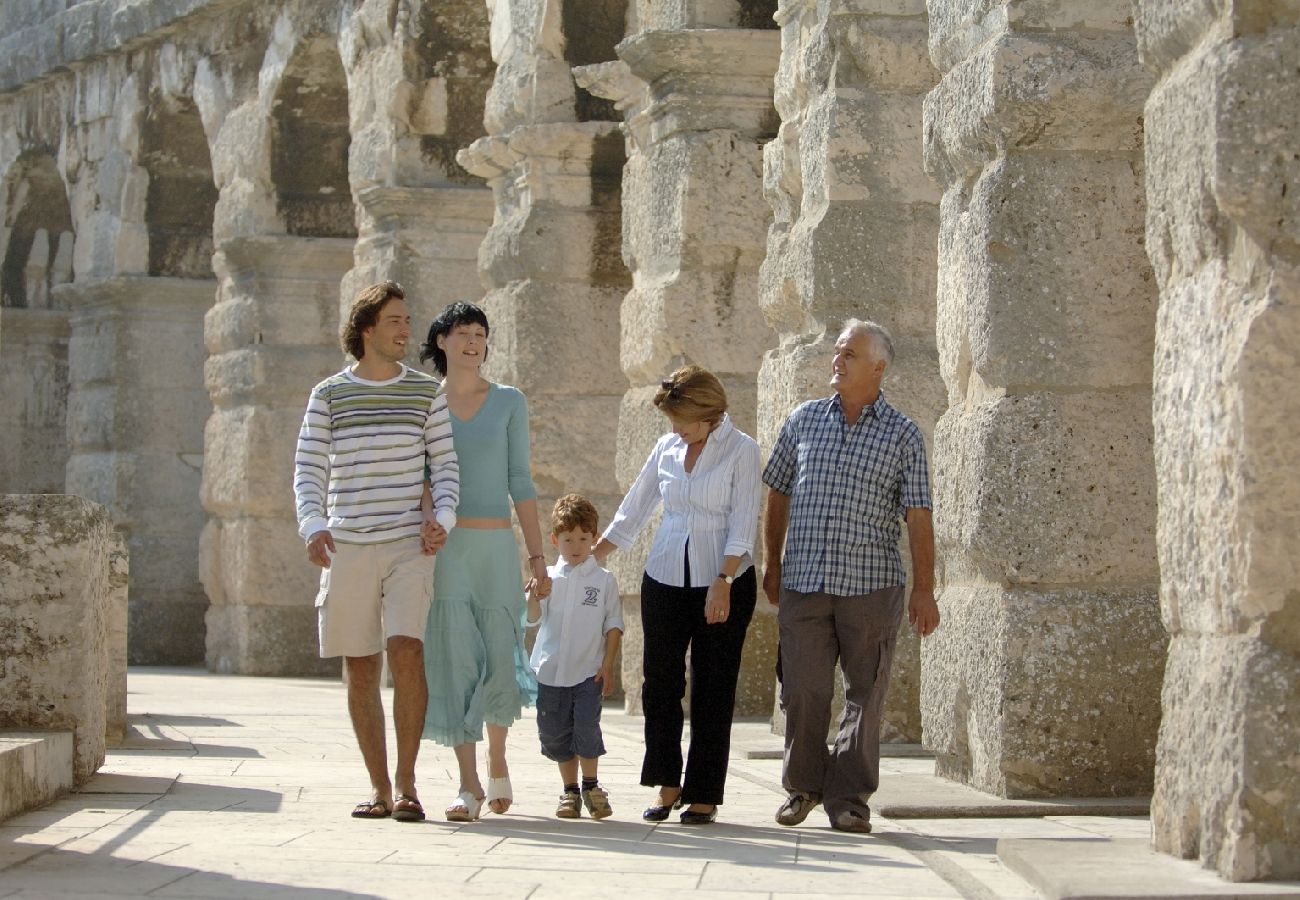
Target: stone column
x,y
1223,233
555,281
424,238
137,406
272,335
698,107
1044,677
856,222
34,383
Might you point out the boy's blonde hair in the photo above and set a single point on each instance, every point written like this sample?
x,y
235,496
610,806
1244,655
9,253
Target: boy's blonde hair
x,y
692,394
574,511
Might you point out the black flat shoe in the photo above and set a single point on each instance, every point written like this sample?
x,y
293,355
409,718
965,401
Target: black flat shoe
x,y
699,818
660,813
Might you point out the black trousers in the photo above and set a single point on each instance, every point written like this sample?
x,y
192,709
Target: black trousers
x,y
672,620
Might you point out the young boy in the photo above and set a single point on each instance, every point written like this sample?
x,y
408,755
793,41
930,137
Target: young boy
x,y
573,657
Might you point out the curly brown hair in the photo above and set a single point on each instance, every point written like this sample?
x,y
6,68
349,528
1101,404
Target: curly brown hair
x,y
692,394
574,511
366,306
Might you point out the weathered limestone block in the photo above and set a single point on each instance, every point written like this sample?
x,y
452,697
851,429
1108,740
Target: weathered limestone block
x,y
1044,678
854,230
58,588
271,336
697,107
34,383
1223,233
137,408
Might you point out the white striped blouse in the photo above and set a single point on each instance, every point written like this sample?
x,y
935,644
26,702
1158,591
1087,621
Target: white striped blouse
x,y
714,507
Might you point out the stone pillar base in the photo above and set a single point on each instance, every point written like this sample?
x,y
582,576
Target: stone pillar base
x,y
266,640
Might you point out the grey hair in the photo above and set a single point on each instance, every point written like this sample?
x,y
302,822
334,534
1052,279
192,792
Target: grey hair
x,y
879,335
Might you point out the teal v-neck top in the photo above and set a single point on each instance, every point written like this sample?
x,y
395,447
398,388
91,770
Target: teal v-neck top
x,y
492,446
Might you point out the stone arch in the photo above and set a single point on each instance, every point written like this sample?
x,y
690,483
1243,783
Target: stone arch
x,y
182,195
592,29
37,233
309,143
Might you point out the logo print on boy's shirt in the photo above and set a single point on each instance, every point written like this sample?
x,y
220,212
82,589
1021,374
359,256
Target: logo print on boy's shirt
x,y
592,598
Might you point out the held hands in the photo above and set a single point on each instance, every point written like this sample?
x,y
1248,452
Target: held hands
x,y
539,585
717,603
320,547
432,535
923,611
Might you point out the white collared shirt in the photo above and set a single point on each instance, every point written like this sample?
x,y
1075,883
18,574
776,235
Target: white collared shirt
x,y
583,607
714,507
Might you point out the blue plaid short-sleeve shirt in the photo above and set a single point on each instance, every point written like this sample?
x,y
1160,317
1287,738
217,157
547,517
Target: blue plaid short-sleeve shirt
x,y
849,486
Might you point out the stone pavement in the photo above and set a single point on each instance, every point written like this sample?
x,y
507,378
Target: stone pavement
x,y
241,787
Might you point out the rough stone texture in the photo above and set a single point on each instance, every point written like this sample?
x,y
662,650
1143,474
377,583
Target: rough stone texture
x,y
1044,678
697,109
1223,233
57,593
270,337
854,229
137,407
34,383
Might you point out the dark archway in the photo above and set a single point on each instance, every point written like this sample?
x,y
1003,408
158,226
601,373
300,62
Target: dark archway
x,y
38,229
182,196
309,144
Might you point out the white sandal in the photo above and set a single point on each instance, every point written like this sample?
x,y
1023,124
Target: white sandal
x,y
466,808
499,789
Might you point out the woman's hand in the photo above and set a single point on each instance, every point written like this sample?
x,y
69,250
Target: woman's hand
x,y
717,603
539,585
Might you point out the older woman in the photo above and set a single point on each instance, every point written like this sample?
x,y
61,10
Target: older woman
x,y
698,590
474,662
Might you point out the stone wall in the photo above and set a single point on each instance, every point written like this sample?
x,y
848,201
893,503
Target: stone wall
x,y
854,230
1045,677
61,612
1223,233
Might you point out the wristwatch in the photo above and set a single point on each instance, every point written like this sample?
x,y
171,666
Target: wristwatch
x,y
727,578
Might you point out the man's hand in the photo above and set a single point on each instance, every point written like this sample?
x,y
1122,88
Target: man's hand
x,y
772,583
717,602
923,611
432,536
320,547
605,678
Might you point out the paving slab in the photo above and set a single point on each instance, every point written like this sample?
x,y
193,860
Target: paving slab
x,y
1103,869
222,794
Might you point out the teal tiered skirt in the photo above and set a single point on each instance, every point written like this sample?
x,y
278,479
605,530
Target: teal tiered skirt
x,y
474,658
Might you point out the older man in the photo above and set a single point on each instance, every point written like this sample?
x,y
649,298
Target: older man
x,y
844,471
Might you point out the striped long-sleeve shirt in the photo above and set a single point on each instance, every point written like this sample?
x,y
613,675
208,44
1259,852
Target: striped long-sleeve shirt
x,y
360,467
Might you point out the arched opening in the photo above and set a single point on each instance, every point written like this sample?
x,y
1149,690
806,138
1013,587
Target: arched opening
x,y
182,196
36,241
309,144
38,232
592,29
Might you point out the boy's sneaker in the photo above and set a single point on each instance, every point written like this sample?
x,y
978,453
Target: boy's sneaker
x,y
570,806
597,802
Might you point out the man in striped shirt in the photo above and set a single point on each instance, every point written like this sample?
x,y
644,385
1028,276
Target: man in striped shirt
x,y
370,434
845,469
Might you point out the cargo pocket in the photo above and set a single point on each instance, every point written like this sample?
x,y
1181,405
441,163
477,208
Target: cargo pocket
x,y
324,591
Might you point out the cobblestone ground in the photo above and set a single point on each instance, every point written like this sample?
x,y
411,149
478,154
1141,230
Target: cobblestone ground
x,y
241,787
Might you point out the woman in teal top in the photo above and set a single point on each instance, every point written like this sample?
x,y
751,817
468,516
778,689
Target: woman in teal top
x,y
473,646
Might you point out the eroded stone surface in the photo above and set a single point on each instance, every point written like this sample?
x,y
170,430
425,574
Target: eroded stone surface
x,y
60,617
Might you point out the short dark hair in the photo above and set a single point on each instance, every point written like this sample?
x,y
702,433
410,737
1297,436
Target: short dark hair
x,y
366,306
574,511
459,313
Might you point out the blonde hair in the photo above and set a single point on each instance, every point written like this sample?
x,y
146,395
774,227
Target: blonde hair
x,y
692,394
574,511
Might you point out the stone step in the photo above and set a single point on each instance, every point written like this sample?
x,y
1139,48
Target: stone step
x,y
35,768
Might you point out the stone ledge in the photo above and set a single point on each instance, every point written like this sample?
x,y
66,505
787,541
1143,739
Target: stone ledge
x,y
35,768
1085,869
916,796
